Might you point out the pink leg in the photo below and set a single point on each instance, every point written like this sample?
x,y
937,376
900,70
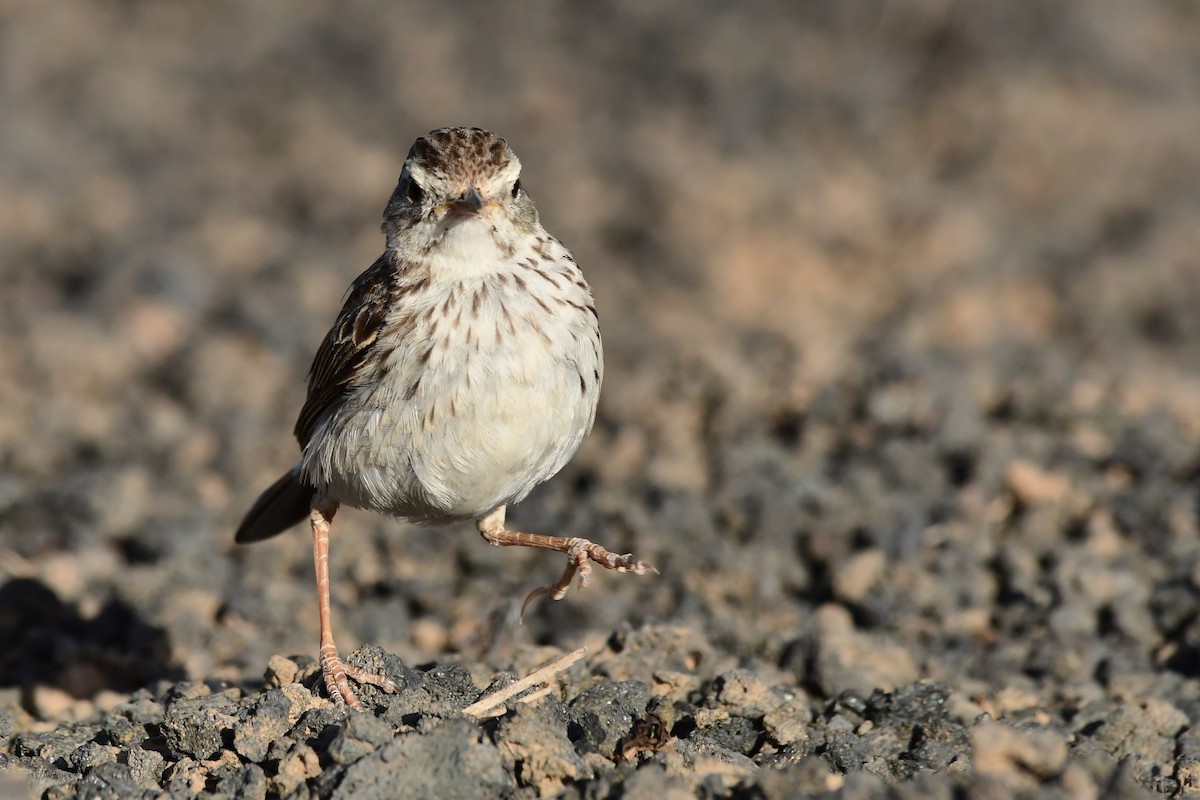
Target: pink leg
x,y
579,552
336,673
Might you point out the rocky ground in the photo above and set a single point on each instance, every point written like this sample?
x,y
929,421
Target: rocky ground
x,y
903,400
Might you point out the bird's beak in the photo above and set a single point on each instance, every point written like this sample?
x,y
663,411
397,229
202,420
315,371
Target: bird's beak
x,y
470,202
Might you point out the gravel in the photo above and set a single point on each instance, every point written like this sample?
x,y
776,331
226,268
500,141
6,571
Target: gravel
x,y
902,399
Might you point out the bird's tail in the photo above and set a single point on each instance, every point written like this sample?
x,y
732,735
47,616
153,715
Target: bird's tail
x,y
284,504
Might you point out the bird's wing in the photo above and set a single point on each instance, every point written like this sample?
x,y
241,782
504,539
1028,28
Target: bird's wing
x,y
337,364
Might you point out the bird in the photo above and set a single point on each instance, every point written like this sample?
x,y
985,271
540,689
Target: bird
x,y
463,370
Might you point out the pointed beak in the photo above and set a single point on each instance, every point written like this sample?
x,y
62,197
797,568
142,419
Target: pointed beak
x,y
470,201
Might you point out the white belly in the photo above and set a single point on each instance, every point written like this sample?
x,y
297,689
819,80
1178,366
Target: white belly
x,y
505,397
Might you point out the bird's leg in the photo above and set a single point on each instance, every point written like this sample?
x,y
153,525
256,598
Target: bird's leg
x,y
579,552
336,673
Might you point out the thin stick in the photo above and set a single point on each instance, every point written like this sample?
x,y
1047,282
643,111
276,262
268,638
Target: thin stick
x,y
533,697
485,706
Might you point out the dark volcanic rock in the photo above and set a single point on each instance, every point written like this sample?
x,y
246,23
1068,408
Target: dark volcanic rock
x,y
901,398
200,726
267,719
605,713
535,738
362,734
452,760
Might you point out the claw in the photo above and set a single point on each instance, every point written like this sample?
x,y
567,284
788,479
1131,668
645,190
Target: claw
x,y
337,675
579,553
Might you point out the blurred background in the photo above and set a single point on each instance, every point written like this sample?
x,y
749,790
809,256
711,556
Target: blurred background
x,y
853,260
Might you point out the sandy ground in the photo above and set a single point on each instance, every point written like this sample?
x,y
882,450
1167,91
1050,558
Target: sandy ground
x,y
900,301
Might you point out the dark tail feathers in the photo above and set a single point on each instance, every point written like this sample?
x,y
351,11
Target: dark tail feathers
x,y
280,507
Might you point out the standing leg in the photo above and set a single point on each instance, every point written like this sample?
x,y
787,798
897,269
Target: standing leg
x,y
579,552
336,673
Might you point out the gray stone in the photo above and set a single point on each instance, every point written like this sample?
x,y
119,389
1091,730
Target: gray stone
x,y
112,781
198,726
605,714
535,739
362,734
268,719
450,762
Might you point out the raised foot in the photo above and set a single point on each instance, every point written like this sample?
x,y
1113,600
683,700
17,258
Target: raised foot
x,y
337,675
579,553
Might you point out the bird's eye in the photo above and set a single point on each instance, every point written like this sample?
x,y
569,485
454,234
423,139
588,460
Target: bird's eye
x,y
516,190
415,192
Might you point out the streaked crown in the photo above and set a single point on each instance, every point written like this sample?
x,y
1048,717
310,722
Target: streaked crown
x,y
449,176
461,156
447,162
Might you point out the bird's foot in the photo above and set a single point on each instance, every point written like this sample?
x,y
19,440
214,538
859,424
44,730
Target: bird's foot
x,y
579,553
337,675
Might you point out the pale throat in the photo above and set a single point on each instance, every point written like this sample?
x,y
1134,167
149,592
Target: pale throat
x,y
471,247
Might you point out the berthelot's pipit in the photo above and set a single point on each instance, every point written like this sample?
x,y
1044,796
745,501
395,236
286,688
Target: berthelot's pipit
x,y
463,370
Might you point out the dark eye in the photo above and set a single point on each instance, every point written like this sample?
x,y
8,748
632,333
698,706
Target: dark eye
x,y
415,192
516,188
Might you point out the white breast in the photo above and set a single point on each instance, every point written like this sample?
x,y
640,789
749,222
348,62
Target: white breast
x,y
509,364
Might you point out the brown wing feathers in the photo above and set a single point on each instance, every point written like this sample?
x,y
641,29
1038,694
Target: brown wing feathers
x,y
333,373
347,344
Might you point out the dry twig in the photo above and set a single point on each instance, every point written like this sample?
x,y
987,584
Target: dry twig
x,y
493,705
